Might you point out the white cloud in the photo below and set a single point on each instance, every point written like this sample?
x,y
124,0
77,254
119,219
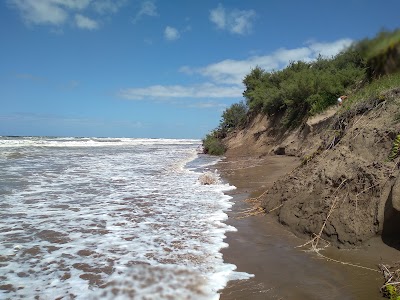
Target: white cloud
x,y
242,21
217,16
40,12
208,104
205,90
171,33
148,8
329,49
61,12
235,21
72,4
85,22
231,71
108,6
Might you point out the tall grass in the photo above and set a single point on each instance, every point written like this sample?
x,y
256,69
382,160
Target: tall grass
x,y
375,88
372,47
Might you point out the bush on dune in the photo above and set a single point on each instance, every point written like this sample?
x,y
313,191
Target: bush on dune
x,y
303,89
233,117
212,144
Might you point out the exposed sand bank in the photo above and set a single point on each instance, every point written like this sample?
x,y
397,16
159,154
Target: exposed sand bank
x,y
268,250
345,166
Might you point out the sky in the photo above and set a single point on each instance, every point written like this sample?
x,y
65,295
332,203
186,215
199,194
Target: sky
x,y
157,68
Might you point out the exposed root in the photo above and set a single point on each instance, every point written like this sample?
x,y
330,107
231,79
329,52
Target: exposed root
x,y
332,208
255,210
252,212
256,199
346,263
342,121
376,111
314,243
279,206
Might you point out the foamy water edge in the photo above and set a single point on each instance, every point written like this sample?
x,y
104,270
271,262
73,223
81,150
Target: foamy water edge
x,y
57,248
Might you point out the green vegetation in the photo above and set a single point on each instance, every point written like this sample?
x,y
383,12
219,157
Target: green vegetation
x,y
213,145
303,89
390,292
233,117
381,54
395,149
375,88
369,48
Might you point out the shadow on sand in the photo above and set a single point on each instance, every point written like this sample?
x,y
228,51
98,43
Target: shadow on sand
x,y
391,225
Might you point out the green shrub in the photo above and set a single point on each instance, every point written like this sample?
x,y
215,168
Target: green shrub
x,y
302,89
234,116
395,148
390,292
369,48
213,145
381,54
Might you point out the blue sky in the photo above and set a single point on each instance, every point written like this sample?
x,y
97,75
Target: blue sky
x,y
166,68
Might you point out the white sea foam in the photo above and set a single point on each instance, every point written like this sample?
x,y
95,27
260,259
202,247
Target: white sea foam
x,y
121,221
88,142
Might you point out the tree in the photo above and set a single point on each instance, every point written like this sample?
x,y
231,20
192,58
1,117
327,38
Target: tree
x,y
234,116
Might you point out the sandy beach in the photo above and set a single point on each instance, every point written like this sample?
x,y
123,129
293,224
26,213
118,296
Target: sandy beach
x,y
267,249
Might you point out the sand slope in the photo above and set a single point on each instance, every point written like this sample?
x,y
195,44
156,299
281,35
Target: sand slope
x,y
345,155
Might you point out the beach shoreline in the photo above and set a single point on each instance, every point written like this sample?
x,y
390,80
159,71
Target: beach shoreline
x,y
263,247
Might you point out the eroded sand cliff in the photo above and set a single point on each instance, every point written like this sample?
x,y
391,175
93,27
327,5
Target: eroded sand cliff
x,y
345,170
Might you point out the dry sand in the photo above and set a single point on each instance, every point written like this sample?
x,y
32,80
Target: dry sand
x,y
268,250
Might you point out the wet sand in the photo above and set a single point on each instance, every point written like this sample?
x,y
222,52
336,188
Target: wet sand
x,y
265,248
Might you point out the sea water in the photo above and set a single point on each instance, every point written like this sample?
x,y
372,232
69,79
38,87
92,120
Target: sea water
x,y
100,218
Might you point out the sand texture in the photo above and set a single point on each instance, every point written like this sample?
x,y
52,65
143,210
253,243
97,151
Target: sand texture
x,y
331,176
345,166
269,250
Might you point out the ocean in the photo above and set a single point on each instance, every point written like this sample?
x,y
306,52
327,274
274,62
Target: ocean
x,y
108,218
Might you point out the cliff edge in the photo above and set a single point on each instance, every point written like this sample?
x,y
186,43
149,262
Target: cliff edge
x,y
346,178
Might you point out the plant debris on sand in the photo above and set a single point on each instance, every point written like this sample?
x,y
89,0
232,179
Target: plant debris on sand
x,y
391,288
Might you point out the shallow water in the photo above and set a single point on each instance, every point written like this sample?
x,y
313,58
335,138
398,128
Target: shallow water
x,y
110,218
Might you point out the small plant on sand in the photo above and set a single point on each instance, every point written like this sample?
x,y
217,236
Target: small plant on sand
x,y
391,288
390,292
395,149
